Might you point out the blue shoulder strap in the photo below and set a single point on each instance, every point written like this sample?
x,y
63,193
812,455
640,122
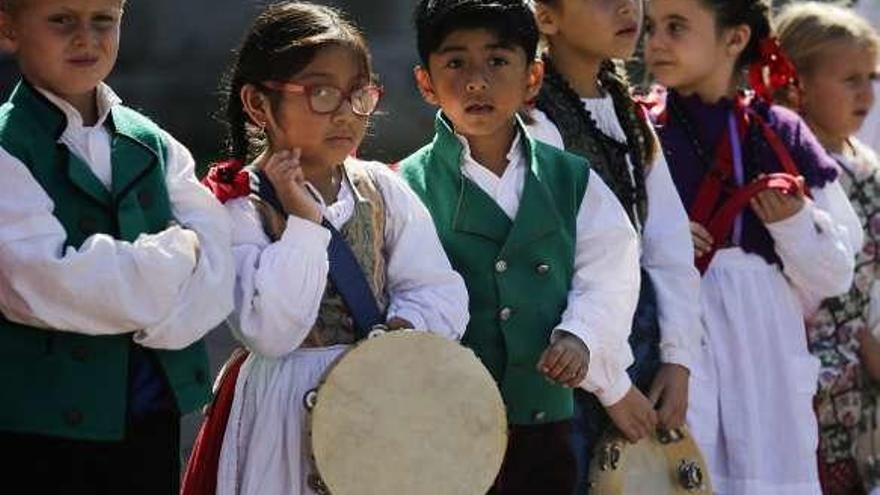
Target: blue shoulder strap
x,y
345,272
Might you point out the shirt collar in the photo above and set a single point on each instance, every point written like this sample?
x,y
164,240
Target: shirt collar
x,y
106,99
515,155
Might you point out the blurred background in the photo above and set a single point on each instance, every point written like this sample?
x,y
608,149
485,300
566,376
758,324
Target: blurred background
x,y
174,52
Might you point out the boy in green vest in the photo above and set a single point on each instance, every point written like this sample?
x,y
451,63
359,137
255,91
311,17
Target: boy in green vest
x,y
114,262
548,255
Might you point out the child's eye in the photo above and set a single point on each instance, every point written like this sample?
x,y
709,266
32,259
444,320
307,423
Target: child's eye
x,y
454,63
675,28
873,76
104,21
649,27
62,20
498,61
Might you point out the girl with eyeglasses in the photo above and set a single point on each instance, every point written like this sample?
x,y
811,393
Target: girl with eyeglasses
x,y
299,97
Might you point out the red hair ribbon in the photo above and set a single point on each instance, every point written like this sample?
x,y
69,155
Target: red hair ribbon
x,y
228,180
772,71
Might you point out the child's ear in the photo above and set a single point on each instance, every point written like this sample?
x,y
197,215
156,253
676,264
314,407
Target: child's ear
x,y
737,39
426,88
256,105
8,36
535,78
546,19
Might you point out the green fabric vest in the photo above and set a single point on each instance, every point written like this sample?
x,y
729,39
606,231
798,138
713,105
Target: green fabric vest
x,y
518,273
73,385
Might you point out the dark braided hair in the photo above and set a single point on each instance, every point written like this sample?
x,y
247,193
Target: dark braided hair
x,y
283,40
753,13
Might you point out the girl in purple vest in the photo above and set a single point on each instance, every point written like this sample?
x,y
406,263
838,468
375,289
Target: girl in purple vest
x,y
298,100
773,235
835,52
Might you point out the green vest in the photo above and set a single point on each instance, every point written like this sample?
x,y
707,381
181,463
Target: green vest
x,y
72,385
518,273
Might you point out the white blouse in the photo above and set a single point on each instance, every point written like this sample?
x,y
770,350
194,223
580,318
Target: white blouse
x,y
605,287
279,285
168,288
667,252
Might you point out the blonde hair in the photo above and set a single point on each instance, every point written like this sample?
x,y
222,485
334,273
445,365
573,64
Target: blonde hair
x,y
805,29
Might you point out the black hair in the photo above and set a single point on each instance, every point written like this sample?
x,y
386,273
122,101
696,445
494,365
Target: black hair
x,y
511,20
282,41
753,13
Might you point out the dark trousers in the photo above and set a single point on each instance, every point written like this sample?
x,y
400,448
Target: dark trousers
x,y
590,419
146,462
539,461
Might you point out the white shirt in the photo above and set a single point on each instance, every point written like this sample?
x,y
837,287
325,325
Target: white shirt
x,y
667,252
279,285
605,287
168,288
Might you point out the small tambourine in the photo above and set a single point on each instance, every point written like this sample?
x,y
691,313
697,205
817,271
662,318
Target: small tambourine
x,y
668,463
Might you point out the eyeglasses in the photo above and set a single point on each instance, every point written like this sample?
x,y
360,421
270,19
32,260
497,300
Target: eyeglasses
x,y
324,99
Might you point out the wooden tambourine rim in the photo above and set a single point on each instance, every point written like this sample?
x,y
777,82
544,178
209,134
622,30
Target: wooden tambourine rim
x,y
608,478
482,481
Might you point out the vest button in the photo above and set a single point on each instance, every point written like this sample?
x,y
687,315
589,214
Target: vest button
x,y
500,266
542,269
88,225
505,313
80,354
73,417
201,377
539,416
145,198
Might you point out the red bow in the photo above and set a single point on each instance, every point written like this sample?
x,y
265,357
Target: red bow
x,y
772,71
228,180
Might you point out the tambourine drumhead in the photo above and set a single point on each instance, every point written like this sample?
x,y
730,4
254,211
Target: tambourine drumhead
x,y
408,412
669,463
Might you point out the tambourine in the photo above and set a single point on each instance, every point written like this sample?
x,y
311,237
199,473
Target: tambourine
x,y
667,463
406,412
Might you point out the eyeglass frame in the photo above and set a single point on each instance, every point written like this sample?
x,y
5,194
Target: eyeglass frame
x,y
304,89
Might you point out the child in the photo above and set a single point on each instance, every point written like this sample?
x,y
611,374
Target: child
x,y
114,262
547,253
299,97
741,168
585,107
835,53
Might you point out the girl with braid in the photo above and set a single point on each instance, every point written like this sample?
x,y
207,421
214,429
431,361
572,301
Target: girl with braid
x,y
298,102
585,107
773,232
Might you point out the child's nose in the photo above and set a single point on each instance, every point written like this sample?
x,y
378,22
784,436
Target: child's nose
x,y
477,81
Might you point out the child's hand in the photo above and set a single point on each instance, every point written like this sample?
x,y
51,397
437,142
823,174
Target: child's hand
x,y
869,353
670,392
633,415
398,324
566,360
773,206
702,239
285,173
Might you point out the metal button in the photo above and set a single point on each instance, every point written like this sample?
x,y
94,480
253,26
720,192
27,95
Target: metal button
x,y
539,416
80,354
542,269
73,417
500,266
505,313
